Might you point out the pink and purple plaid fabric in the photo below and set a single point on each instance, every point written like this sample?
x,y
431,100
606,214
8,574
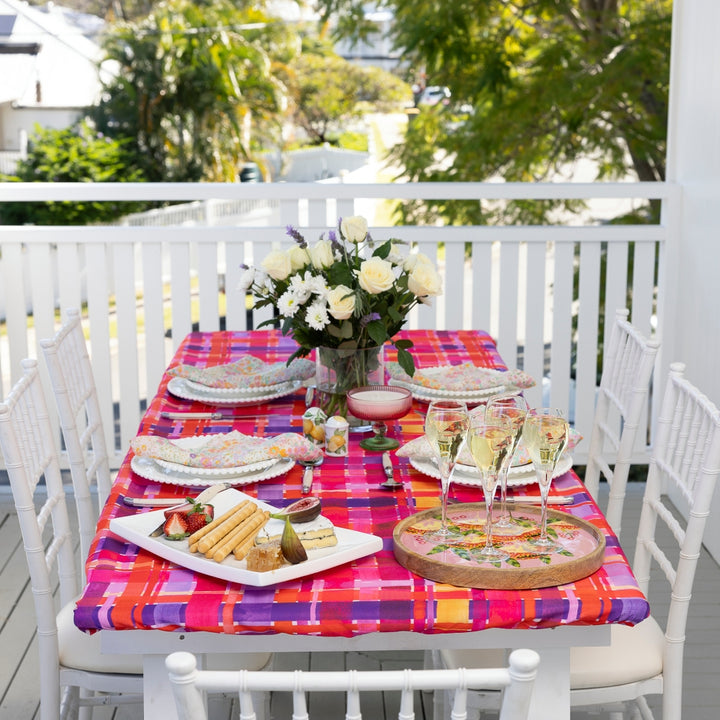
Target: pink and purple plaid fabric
x,y
128,588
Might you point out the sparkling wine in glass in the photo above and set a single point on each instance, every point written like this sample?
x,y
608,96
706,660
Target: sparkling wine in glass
x,y
446,425
514,409
545,435
489,440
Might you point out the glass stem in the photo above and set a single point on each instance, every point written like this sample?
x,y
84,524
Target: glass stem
x,y
380,428
503,495
445,470
488,518
544,490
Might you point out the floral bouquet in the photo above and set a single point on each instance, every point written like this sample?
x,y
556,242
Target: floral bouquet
x,y
344,293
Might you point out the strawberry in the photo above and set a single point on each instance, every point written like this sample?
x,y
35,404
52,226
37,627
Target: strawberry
x,y
198,518
176,527
190,507
183,509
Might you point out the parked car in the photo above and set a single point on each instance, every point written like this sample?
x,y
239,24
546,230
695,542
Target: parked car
x,y
434,95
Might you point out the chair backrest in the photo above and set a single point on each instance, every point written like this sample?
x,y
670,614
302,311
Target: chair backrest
x,y
73,385
516,680
686,457
628,364
28,447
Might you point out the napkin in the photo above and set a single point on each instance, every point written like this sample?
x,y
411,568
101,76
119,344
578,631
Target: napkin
x,y
225,450
464,377
420,448
247,372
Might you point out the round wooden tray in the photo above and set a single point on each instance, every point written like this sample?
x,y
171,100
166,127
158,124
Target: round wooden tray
x,y
582,553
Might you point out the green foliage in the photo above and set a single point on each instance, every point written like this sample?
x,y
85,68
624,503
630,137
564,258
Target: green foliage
x,y
537,85
329,91
71,155
192,76
346,291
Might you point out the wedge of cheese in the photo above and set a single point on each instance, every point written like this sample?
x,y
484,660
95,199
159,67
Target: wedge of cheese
x,y
318,533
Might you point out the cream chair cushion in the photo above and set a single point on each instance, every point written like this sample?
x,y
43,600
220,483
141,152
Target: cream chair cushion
x,y
635,653
82,651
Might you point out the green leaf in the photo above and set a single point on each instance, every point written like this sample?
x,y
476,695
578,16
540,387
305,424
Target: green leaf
x,y
346,330
383,250
406,361
403,344
340,274
376,330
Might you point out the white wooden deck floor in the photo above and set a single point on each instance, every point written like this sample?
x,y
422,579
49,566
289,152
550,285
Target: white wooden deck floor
x,y
19,664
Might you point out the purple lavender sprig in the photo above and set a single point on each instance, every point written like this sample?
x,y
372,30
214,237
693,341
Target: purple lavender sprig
x,y
295,234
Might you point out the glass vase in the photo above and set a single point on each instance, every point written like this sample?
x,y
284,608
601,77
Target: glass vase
x,y
338,370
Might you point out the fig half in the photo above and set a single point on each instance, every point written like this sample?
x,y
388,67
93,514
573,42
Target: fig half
x,y
301,511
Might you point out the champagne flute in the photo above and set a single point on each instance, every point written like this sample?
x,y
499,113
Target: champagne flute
x,y
490,440
514,408
545,435
446,425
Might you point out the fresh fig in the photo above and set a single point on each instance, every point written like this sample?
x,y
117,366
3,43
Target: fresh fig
x,y
301,511
290,545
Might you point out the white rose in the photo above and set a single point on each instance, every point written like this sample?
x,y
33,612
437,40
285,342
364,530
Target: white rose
x,y
299,257
277,265
415,259
341,302
424,280
321,254
354,228
376,275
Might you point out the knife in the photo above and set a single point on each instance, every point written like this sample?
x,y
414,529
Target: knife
x,y
307,479
203,416
388,469
205,496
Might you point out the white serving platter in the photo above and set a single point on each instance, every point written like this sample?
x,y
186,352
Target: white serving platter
x,y
137,528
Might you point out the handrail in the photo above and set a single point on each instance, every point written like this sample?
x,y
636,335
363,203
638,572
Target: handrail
x,y
143,283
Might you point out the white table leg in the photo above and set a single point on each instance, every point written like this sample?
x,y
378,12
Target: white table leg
x,y
158,698
551,694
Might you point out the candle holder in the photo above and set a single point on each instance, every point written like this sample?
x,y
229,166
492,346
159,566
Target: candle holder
x,y
379,403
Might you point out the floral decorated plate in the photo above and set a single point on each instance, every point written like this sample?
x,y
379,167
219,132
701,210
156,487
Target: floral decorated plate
x,y
464,475
197,477
179,387
240,392
428,394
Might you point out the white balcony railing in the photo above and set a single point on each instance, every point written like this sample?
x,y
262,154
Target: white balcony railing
x,y
143,286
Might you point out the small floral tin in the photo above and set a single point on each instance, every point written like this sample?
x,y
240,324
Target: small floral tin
x,y
314,425
337,431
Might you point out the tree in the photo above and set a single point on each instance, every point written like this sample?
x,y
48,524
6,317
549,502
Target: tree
x,y
328,91
191,76
537,85
74,154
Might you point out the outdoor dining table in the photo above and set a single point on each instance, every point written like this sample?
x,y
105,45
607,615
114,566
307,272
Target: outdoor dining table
x,y
144,604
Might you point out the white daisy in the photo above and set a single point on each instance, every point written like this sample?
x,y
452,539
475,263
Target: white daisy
x,y
247,279
301,285
317,316
288,304
318,285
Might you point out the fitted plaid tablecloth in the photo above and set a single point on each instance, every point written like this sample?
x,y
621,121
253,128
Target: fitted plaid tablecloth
x,y
130,588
